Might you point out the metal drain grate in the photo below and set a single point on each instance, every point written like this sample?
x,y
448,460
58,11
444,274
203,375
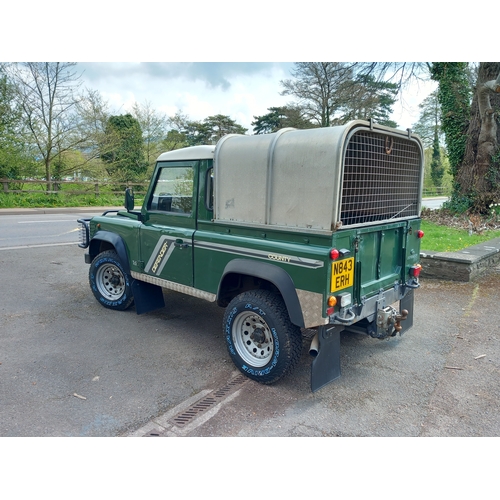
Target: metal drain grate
x,y
207,402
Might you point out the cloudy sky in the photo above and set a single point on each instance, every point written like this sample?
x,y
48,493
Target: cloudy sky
x,y
236,37
240,90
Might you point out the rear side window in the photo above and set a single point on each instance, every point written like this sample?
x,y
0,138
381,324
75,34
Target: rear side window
x,y
209,195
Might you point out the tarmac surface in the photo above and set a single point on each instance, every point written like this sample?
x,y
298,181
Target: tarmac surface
x,y
69,367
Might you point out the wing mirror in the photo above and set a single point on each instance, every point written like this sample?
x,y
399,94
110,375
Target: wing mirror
x,y
129,199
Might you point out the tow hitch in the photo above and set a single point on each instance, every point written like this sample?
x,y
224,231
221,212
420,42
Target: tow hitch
x,y
388,322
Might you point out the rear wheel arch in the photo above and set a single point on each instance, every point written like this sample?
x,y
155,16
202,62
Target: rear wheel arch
x,y
241,275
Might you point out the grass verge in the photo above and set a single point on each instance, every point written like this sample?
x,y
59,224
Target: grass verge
x,y
440,238
43,200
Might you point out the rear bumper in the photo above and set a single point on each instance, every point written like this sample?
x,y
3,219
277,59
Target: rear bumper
x,y
368,313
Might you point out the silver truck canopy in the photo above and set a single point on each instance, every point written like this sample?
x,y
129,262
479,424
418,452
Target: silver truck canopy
x,y
294,179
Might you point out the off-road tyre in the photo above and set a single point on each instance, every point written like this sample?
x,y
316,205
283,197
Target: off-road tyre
x,y
110,284
262,341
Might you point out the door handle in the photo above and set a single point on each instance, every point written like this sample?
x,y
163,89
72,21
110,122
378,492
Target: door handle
x,y
180,244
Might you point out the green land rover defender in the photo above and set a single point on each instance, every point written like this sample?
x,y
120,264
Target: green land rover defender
x,y
299,229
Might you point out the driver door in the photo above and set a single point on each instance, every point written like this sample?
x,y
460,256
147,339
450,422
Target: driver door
x,y
169,224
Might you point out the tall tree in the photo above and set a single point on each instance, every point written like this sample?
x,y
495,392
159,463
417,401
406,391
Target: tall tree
x,y
368,98
478,177
429,120
428,128
281,117
14,156
437,168
48,95
319,87
153,126
219,126
332,93
208,131
472,135
125,160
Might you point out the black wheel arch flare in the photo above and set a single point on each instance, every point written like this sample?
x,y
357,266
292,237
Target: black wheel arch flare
x,y
115,241
267,272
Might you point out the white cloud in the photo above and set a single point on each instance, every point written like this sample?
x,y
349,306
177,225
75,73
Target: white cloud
x,y
199,90
239,90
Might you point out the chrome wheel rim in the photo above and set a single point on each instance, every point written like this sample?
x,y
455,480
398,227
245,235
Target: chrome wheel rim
x,y
253,339
110,282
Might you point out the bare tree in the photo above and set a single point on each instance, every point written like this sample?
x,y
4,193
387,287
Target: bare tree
x,y
47,93
153,125
320,88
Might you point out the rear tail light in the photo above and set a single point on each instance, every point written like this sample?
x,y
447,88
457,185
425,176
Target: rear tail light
x,y
415,270
420,234
334,254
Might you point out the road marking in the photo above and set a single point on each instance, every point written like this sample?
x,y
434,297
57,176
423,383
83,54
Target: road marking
x,y
43,221
38,246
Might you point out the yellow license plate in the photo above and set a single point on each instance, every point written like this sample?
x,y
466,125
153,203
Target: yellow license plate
x,y
342,274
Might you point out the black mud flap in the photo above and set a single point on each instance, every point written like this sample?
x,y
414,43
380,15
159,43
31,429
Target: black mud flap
x,y
147,297
325,367
407,303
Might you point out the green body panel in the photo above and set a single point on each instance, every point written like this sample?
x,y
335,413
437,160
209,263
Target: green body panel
x,y
383,255
307,264
127,228
160,242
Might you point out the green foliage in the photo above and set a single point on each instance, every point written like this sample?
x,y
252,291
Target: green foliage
x,y
210,130
454,96
437,168
41,199
429,121
458,204
14,156
124,156
280,117
371,98
332,93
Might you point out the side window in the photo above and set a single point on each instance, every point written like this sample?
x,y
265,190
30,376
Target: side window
x,y
174,190
209,195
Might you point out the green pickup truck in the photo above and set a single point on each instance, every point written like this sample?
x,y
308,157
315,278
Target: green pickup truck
x,y
299,229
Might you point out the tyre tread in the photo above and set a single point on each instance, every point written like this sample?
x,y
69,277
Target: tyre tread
x,y
292,349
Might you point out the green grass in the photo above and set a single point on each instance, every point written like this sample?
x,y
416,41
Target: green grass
x,y
43,200
448,239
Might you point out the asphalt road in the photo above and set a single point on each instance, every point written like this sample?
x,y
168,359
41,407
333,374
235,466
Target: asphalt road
x,y
434,203
70,367
22,228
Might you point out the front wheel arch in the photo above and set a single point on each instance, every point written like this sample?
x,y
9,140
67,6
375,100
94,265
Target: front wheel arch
x,y
106,240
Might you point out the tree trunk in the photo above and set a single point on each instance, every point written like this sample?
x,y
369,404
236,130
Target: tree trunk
x,y
479,174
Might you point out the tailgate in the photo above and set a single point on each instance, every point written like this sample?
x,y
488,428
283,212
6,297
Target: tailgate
x,y
380,258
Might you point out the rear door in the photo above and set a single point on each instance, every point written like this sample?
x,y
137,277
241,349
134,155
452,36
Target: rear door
x,y
379,258
166,237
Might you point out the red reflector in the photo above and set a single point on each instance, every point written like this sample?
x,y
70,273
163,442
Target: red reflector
x,y
334,254
415,270
420,234
329,311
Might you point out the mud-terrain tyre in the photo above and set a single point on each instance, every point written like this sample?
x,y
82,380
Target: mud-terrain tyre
x,y
262,341
109,282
